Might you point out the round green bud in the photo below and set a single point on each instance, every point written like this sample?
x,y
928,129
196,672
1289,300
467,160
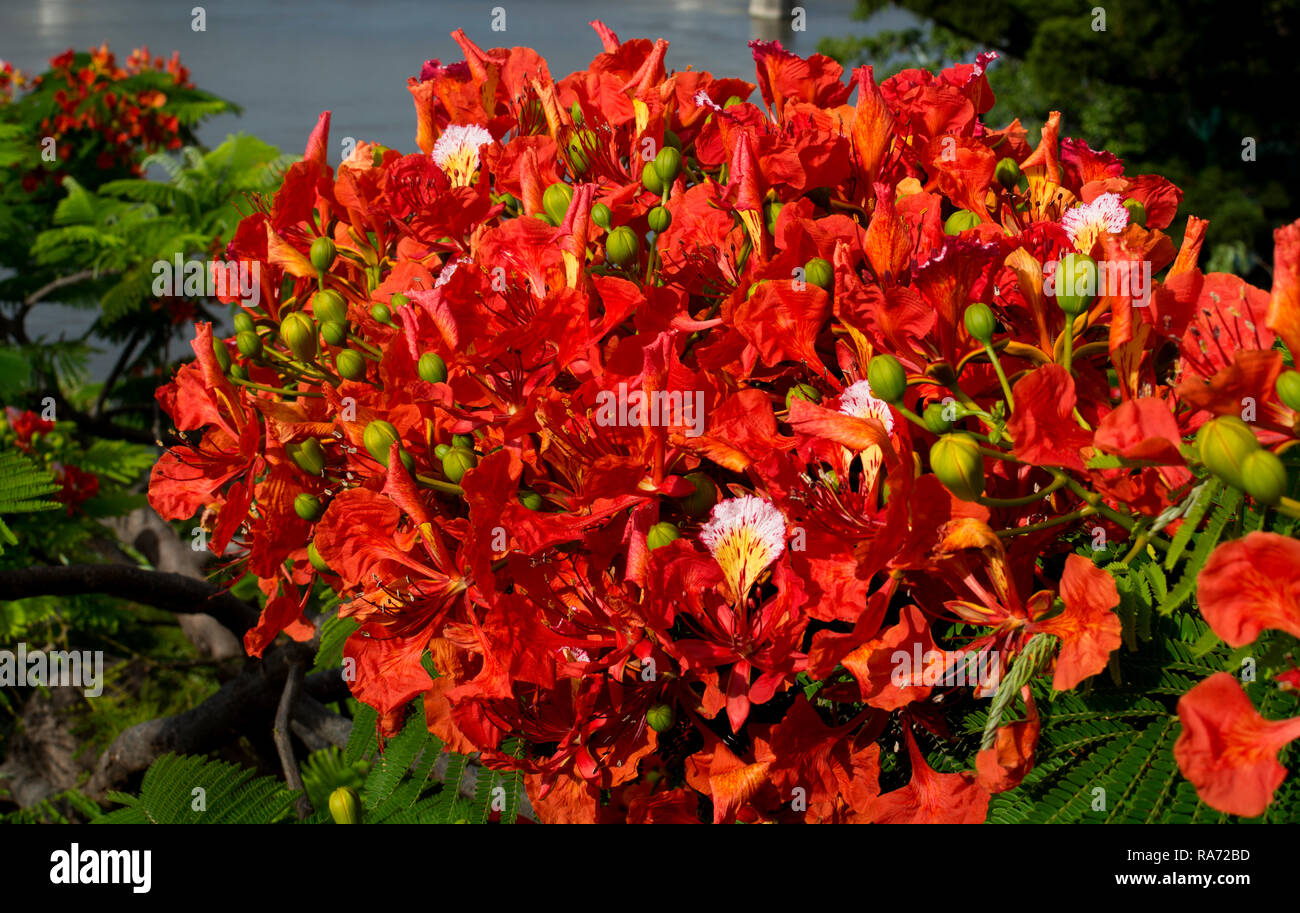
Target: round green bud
x,y
1075,283
239,372
622,246
329,305
334,333
699,502
243,323
661,717
673,140
322,254
222,354
980,322
959,221
398,301
958,464
650,178
308,455
308,506
381,313
456,462
299,334
819,272
1288,389
661,534
351,365
530,499
668,163
345,806
379,437
602,215
432,368
887,378
440,450
580,144
1137,213
936,418
465,441
1007,172
1264,476
556,200
659,219
1223,444
802,391
249,344
313,555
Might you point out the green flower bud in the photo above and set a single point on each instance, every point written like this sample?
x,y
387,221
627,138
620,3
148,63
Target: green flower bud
x,y
936,418
313,555
243,323
650,178
381,313
239,372
772,211
959,221
1007,172
957,462
398,301
659,219
530,499
887,378
322,254
575,111
1075,283
432,368
351,365
249,344
668,163
1288,389
299,334
661,534
334,333
661,717
580,144
222,353
556,201
980,322
701,501
1137,213
622,246
602,215
820,273
329,305
458,461
672,139
308,454
1223,444
802,391
379,438
440,450
1264,476
465,441
345,806
308,506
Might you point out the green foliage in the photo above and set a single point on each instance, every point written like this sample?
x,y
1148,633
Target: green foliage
x,y
23,489
230,795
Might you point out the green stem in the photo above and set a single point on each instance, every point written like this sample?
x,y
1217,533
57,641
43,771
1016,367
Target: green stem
x,y
1048,524
1067,344
1025,499
1002,377
439,485
283,390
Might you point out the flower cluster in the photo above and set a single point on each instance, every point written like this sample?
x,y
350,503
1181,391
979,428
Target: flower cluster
x,y
98,102
660,419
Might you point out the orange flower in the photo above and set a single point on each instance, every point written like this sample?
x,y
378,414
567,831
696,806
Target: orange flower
x,y
1249,585
1227,750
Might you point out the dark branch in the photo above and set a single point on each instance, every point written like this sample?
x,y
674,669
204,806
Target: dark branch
x,y
170,592
284,745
